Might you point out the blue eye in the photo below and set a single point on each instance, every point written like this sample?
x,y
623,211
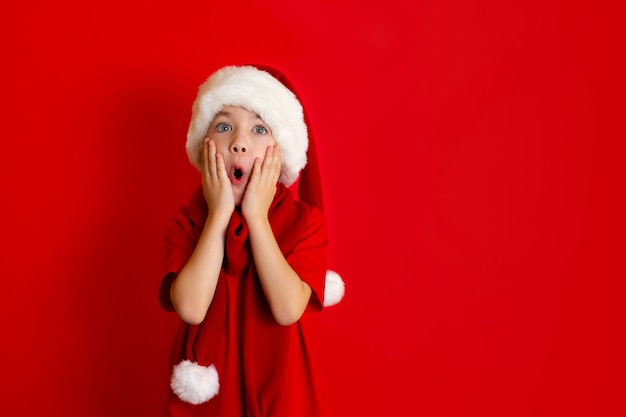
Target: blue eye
x,y
261,130
223,127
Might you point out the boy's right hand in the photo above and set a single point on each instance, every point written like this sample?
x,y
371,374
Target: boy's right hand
x,y
216,186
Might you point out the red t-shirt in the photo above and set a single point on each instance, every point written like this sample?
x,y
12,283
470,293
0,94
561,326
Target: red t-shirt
x,y
264,369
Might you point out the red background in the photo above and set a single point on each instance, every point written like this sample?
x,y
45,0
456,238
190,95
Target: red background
x,y
472,167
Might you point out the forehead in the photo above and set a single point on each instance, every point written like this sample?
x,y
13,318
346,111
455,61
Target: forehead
x,y
237,112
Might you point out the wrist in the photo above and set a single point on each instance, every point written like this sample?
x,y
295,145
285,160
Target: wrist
x,y
257,220
218,218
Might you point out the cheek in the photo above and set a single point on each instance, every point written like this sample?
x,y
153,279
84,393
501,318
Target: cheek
x,y
259,155
261,149
221,142
269,143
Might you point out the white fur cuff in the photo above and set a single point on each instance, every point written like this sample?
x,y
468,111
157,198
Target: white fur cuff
x,y
193,383
335,288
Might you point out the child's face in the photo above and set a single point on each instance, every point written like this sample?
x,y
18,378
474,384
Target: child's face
x,y
240,136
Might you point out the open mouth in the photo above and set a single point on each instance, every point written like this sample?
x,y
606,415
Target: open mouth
x,y
236,175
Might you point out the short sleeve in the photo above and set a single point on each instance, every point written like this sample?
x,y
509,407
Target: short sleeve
x,y
308,258
179,245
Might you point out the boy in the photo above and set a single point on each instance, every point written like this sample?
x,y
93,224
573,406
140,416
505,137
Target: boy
x,y
245,260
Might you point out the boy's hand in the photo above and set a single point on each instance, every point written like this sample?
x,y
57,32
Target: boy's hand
x,y
262,185
216,186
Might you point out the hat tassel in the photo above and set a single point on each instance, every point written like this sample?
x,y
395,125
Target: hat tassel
x,y
194,383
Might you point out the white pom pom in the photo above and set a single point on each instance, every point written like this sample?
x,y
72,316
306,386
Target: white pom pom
x,y
194,383
335,288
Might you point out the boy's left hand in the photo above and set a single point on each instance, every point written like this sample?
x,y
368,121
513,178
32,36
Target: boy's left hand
x,y
261,188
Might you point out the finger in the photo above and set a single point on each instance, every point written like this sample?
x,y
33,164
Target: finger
x,y
278,160
257,171
268,164
274,163
211,151
220,167
204,158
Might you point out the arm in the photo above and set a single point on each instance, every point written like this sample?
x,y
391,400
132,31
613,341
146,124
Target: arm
x,y
286,293
193,289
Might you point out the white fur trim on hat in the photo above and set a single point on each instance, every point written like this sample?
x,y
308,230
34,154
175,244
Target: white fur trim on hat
x,y
193,383
335,288
259,92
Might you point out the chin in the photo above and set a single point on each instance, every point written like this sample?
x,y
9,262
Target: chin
x,y
238,200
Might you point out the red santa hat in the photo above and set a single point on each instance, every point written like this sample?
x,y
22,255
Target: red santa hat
x,y
257,91
266,92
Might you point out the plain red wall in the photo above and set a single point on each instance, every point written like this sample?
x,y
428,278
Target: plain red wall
x,y
472,167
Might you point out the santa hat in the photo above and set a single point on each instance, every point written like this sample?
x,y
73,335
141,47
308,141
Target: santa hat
x,y
259,92
266,92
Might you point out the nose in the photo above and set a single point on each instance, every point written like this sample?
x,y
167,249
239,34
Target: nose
x,y
238,144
